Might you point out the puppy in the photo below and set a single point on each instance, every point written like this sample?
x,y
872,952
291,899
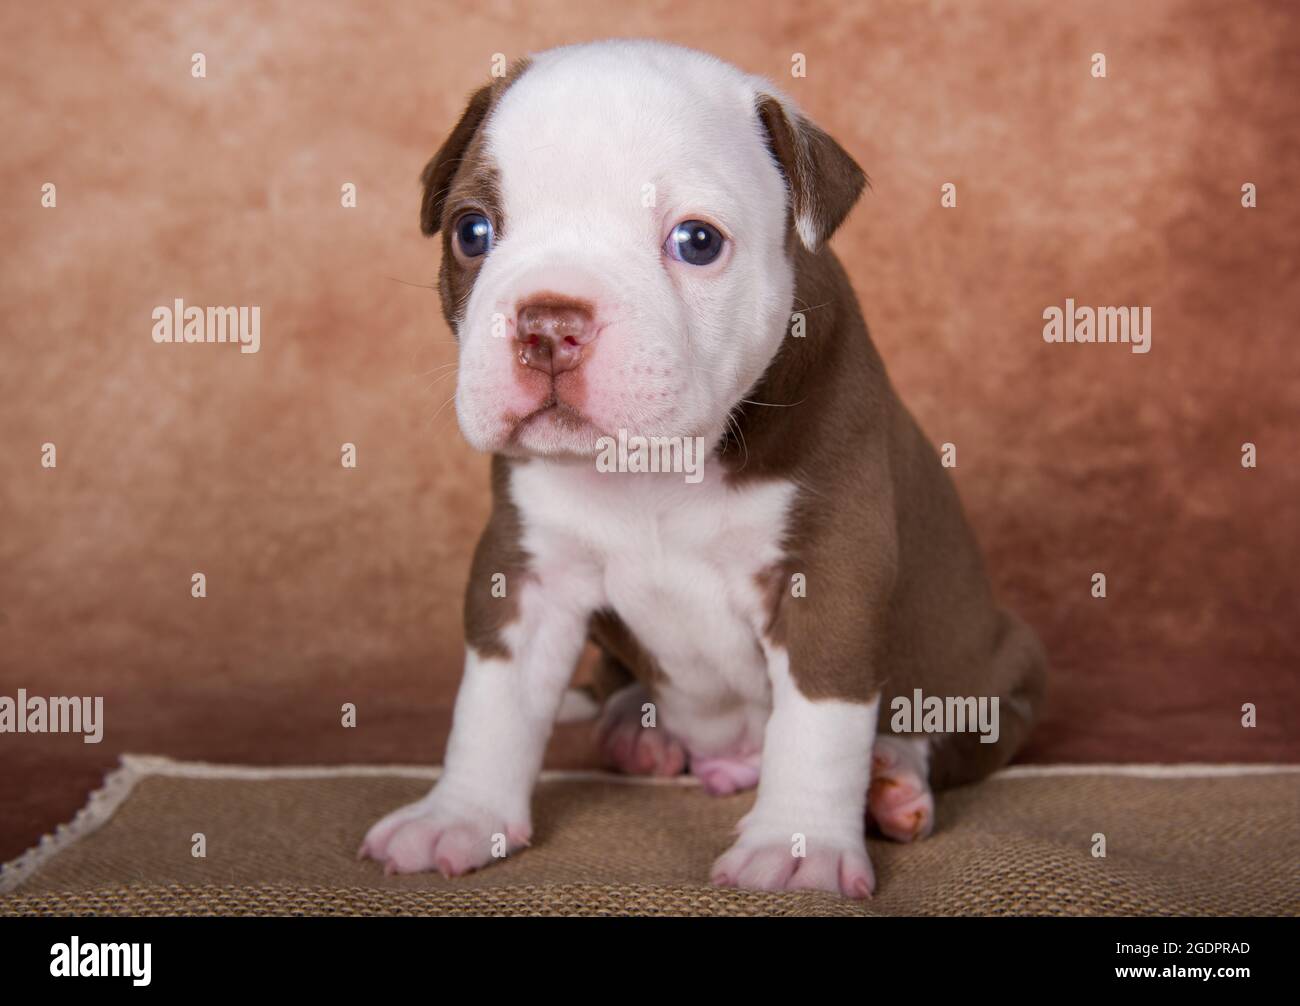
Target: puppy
x,y
634,252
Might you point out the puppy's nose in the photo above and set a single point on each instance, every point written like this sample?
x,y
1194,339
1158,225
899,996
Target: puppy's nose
x,y
552,335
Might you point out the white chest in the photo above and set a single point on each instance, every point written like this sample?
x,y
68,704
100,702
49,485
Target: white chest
x,y
679,563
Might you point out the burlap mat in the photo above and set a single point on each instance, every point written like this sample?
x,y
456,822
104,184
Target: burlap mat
x,y
1020,843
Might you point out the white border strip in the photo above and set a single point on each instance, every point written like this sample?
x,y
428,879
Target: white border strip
x,y
147,765
104,802
101,805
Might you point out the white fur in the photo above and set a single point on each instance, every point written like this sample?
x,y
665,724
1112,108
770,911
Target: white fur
x,y
816,763
480,807
806,826
601,150
678,563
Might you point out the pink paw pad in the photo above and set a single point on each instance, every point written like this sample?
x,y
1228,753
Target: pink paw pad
x,y
722,776
899,798
772,867
434,834
636,750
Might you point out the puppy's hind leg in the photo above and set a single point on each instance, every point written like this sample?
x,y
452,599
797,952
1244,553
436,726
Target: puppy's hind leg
x,y
903,769
1017,675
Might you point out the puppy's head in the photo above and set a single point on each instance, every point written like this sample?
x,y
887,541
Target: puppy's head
x,y
618,224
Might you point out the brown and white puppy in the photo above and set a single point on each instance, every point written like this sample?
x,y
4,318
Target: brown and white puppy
x,y
628,229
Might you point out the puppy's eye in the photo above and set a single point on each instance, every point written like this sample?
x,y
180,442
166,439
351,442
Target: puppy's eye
x,y
694,242
473,235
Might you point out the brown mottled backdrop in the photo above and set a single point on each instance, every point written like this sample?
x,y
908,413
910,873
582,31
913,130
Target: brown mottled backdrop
x,y
328,585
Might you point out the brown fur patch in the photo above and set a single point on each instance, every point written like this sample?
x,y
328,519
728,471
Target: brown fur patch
x,y
461,178
897,597
499,550
824,181
623,649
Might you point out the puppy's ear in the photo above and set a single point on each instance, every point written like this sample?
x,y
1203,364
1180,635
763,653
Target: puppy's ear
x,y
439,172
824,180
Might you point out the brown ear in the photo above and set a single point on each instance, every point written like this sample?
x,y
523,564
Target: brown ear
x,y
439,172
824,180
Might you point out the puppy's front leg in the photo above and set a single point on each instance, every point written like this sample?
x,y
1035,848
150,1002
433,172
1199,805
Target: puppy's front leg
x,y
806,826
480,807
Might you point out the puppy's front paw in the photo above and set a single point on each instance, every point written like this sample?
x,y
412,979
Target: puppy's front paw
x,y
771,860
444,834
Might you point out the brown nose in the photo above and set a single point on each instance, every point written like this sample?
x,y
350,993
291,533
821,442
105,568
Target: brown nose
x,y
551,335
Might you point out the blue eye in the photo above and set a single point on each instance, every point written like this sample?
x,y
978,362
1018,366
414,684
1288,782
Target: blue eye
x,y
694,242
474,235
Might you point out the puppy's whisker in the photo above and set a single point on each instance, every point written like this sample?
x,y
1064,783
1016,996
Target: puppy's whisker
x,y
732,424
407,282
774,405
436,381
442,366
441,407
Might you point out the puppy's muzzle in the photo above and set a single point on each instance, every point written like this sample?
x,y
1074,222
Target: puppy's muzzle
x,y
552,336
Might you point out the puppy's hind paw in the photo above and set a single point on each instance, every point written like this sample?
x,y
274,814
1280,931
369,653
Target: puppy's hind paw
x,y
899,799
632,748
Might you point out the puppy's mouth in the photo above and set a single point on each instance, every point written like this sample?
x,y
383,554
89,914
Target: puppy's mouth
x,y
554,428
562,414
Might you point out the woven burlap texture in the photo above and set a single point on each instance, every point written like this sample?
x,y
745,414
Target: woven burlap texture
x,y
1009,846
